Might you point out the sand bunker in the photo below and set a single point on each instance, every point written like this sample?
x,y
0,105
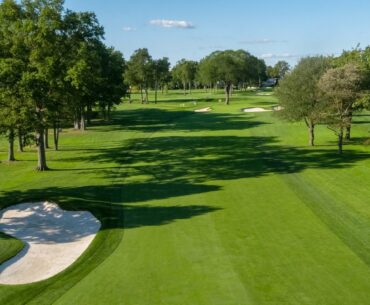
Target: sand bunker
x,y
278,108
53,238
208,109
255,110
264,93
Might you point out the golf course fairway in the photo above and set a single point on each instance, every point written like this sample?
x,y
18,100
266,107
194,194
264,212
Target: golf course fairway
x,y
221,207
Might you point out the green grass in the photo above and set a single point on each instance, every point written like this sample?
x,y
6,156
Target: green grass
x,y
9,247
211,208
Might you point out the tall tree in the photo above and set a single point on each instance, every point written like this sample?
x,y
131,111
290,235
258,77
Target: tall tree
x,y
185,72
300,96
83,62
85,76
161,73
112,85
139,72
279,70
225,67
12,66
360,58
341,87
43,26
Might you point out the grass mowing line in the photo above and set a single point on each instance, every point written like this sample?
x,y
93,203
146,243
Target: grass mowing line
x,y
341,223
346,226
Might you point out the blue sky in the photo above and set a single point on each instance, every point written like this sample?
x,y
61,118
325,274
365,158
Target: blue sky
x,y
273,30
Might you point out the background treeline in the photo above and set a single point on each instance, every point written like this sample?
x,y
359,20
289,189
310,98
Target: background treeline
x,y
327,90
226,70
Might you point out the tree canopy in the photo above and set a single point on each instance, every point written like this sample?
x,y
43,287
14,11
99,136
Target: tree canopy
x,y
341,87
54,68
299,95
230,68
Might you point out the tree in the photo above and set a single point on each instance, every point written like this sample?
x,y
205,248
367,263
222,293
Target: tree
x,y
43,26
341,87
11,107
161,74
261,71
360,58
53,66
85,78
280,69
83,63
112,85
300,96
225,67
12,66
185,72
139,71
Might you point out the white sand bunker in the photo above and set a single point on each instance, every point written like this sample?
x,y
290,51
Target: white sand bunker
x,y
278,108
257,109
53,238
264,93
208,109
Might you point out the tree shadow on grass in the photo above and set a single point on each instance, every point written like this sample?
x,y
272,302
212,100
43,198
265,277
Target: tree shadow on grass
x,y
153,119
111,205
200,159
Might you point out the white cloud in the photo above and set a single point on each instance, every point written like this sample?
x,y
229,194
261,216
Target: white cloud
x,y
129,29
165,23
262,41
282,55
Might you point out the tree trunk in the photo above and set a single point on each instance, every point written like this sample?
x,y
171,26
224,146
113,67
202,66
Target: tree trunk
x,y
82,124
88,114
24,140
46,137
77,120
311,129
11,137
146,96
227,94
190,87
56,136
41,153
348,133
184,84
348,128
76,124
20,140
340,141
141,93
109,113
156,93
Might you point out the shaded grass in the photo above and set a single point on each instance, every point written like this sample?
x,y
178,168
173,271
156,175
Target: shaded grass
x,y
9,247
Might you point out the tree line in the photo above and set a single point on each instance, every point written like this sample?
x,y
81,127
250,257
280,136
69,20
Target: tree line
x,y
220,69
327,90
54,68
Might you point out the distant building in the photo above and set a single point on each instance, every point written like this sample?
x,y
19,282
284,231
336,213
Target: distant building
x,y
271,82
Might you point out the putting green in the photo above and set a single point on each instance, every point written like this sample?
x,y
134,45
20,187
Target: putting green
x,y
223,207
